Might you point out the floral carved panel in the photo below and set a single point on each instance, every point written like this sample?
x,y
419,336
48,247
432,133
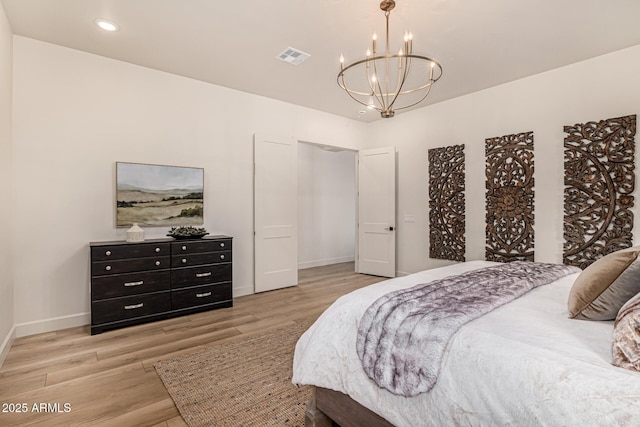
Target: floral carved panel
x,y
509,198
599,179
447,203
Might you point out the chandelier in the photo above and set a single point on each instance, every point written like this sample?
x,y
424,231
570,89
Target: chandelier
x,y
393,81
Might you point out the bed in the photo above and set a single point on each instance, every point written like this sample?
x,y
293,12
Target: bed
x,y
524,363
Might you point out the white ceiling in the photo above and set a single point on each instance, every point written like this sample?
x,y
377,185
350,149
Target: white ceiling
x,y
234,43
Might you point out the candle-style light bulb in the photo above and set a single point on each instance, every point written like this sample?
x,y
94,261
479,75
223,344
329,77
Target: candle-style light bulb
x,y
375,38
341,62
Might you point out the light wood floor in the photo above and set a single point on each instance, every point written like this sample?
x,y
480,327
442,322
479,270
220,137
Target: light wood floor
x,y
109,379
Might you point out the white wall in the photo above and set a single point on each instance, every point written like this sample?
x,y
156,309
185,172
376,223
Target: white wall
x,y
6,270
326,206
76,114
600,88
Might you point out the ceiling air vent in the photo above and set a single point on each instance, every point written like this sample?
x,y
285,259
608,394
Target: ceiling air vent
x,y
293,56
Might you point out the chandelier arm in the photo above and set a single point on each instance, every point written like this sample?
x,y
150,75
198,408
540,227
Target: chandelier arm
x,y
418,89
343,86
379,95
427,86
374,94
350,94
373,91
343,72
431,81
417,102
362,61
402,77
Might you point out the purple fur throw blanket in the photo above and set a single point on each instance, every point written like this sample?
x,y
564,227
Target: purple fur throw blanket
x,y
402,336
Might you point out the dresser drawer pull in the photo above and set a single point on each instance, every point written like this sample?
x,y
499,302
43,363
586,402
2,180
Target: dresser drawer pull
x,y
157,262
141,282
133,306
221,256
206,294
184,248
108,253
184,260
108,268
157,249
222,245
207,274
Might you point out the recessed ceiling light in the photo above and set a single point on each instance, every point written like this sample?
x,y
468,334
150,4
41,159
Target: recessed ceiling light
x,y
107,25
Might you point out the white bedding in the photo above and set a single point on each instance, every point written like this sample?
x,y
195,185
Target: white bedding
x,y
524,363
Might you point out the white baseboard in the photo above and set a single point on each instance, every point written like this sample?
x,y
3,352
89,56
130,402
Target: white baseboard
x,y
6,345
322,262
242,291
48,325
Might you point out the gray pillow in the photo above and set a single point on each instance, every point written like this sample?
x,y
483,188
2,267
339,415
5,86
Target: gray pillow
x,y
602,288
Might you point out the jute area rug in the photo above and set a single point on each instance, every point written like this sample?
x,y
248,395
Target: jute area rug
x,y
244,382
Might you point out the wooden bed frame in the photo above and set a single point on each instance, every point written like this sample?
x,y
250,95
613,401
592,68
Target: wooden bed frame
x,y
327,407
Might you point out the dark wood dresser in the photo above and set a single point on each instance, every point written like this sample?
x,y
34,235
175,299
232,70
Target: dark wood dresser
x,y
133,283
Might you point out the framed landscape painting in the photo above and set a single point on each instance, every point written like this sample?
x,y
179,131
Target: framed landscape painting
x,y
156,195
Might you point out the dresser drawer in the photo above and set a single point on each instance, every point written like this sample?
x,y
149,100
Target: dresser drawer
x,y
195,246
200,295
120,285
129,265
200,275
139,250
186,260
115,309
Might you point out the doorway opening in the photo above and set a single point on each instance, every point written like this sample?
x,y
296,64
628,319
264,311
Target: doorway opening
x,y
327,200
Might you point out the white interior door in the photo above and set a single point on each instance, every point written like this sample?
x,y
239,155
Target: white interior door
x,y
275,212
377,212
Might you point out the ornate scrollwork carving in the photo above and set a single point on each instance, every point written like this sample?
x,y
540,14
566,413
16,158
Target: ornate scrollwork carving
x,y
599,179
509,198
446,203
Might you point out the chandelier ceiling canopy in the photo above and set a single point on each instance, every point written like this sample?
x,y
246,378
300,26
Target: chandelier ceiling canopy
x,y
389,81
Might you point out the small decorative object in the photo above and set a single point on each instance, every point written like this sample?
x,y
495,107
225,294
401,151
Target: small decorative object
x,y
446,203
135,233
509,198
187,232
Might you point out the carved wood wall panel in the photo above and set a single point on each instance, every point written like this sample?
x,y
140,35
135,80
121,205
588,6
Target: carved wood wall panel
x,y
447,203
599,179
509,198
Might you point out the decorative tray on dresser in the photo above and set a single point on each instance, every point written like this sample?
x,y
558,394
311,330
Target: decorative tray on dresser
x,y
133,283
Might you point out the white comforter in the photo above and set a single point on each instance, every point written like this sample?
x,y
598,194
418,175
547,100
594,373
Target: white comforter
x,y
524,363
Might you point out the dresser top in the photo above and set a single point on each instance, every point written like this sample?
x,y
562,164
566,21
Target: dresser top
x,y
160,240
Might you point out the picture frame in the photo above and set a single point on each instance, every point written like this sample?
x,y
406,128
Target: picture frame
x,y
159,195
